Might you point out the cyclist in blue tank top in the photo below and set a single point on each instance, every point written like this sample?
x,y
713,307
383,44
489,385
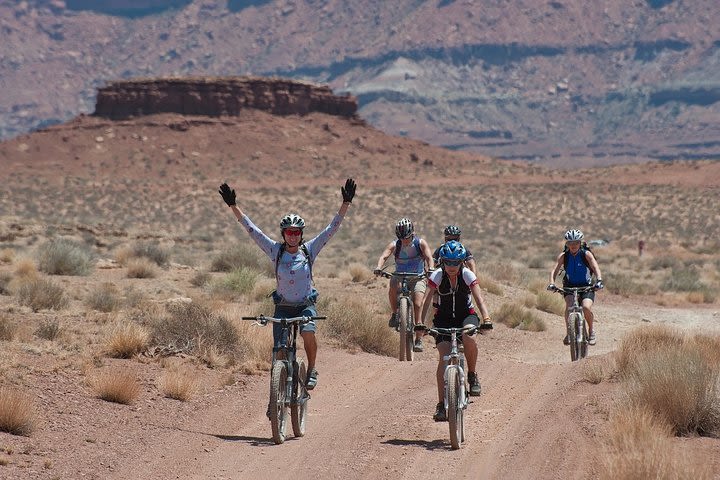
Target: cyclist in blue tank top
x,y
580,265
412,255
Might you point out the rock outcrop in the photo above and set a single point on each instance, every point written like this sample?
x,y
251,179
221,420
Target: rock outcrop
x,y
219,96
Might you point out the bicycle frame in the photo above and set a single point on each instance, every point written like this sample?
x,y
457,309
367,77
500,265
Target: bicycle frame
x,y
287,383
405,312
576,323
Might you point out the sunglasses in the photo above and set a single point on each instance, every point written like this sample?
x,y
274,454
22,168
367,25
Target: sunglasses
x,y
452,263
293,232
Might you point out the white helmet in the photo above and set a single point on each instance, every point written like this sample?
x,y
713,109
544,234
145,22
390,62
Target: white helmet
x,y
573,235
404,228
292,220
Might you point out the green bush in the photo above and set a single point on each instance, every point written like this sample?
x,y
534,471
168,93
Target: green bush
x,y
240,281
683,279
152,251
65,257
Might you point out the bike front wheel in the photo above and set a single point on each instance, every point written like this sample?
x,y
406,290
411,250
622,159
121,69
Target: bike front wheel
x,y
278,407
583,350
299,404
454,409
405,336
573,320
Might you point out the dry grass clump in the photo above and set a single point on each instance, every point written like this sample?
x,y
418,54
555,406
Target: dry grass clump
x,y
550,302
489,285
359,272
26,269
141,268
7,255
200,279
48,329
65,257
241,256
241,281
683,279
17,412
194,328
39,294
7,328
517,316
178,383
638,342
104,298
704,295
623,284
116,385
152,251
503,272
354,325
5,281
639,446
676,377
126,338
263,288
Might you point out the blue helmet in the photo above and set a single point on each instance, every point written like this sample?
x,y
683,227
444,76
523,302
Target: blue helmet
x,y
453,250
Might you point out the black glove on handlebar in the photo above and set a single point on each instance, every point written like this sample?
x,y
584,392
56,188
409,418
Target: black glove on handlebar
x,y
227,194
348,191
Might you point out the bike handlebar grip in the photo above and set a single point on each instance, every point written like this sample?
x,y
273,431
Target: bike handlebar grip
x,y
248,318
322,317
420,328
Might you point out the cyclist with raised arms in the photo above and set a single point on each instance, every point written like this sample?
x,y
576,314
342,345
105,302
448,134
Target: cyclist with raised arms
x,y
580,265
293,259
412,255
456,287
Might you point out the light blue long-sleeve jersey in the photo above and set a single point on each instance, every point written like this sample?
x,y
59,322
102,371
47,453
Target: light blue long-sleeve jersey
x,y
294,279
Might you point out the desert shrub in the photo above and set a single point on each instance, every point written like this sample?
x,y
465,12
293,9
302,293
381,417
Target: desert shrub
x,y
17,412
704,295
178,383
645,339
503,272
5,279
487,284
514,315
354,325
115,385
141,268
7,328
200,279
65,257
240,281
126,339
550,302
683,279
537,262
7,255
103,298
152,251
48,329
263,288
26,269
639,445
40,293
661,263
241,256
623,284
529,301
677,379
194,328
359,272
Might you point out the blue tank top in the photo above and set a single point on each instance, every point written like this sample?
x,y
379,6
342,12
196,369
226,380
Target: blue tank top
x,y
577,273
409,259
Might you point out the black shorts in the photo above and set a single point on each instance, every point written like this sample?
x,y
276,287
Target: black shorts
x,y
583,295
471,319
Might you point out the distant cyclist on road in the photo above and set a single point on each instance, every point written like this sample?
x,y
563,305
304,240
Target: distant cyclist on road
x,y
580,265
412,255
293,259
456,287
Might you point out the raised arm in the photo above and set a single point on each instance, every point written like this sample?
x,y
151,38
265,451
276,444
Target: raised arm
x,y
266,244
317,243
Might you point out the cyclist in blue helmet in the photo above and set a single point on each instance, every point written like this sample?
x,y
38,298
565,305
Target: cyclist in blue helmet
x,y
412,255
293,258
456,287
580,265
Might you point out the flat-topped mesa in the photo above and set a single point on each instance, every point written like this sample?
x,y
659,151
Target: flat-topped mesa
x,y
217,96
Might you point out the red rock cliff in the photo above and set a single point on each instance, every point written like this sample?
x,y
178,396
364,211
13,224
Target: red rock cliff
x,y
219,96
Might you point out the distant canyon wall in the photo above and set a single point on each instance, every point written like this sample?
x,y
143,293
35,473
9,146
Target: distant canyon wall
x,y
219,96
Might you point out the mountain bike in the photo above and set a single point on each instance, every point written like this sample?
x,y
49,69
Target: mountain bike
x,y
577,326
405,313
456,392
287,378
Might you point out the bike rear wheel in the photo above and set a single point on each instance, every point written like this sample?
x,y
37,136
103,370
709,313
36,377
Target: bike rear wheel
x,y
454,409
278,407
403,320
299,403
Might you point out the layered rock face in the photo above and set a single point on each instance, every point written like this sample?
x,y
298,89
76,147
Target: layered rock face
x,y
219,96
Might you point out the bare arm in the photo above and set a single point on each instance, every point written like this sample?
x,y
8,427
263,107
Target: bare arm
x,y
479,302
592,263
559,265
470,263
427,300
389,250
426,254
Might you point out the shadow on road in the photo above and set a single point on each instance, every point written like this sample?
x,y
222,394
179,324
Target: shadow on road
x,y
254,441
429,445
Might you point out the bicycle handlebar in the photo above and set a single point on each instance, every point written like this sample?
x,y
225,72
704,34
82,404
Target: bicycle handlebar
x,y
301,320
570,290
385,274
469,329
